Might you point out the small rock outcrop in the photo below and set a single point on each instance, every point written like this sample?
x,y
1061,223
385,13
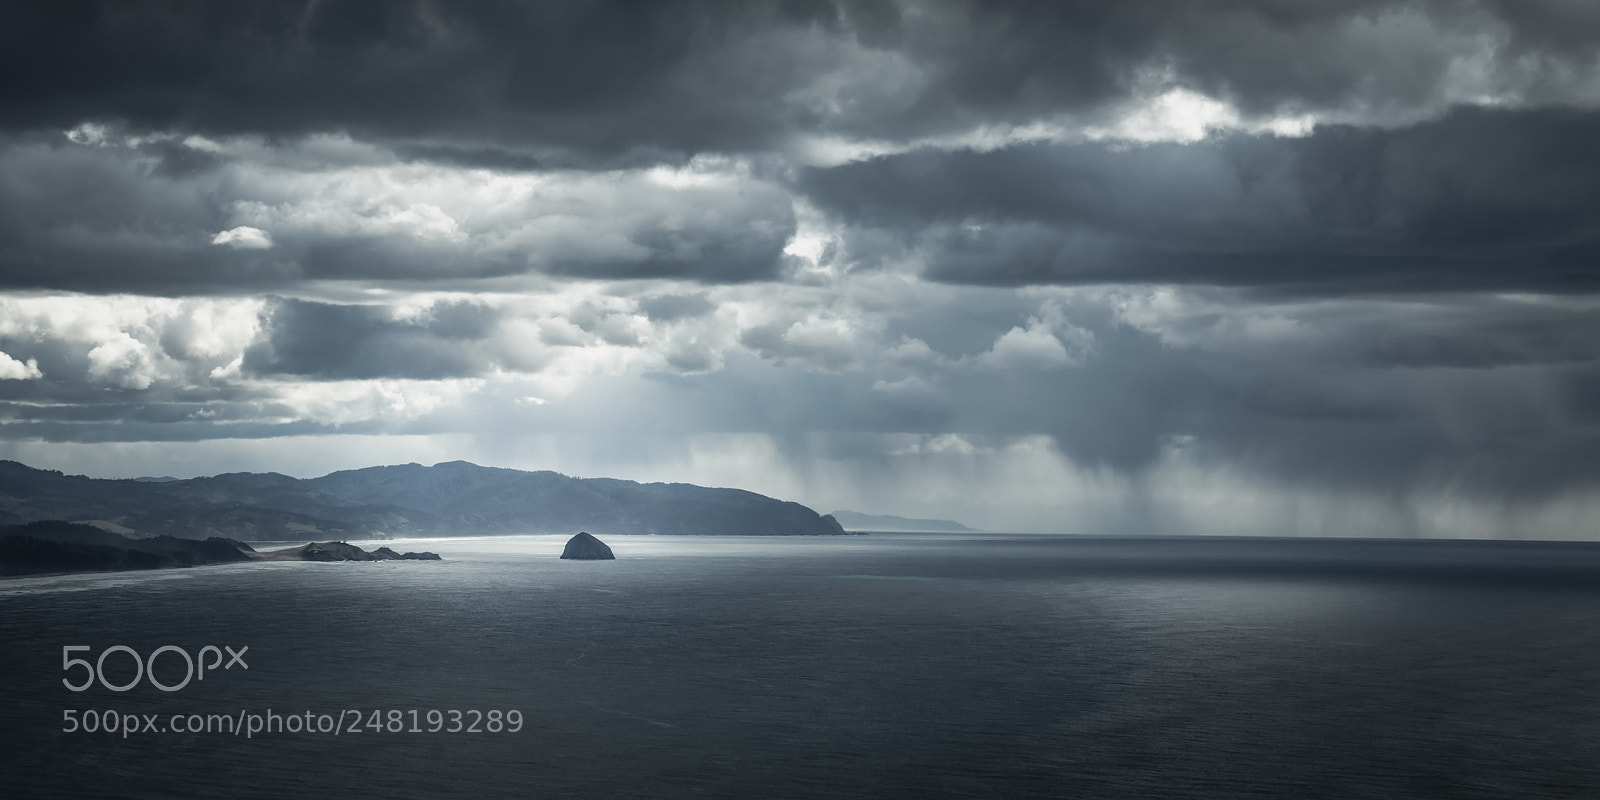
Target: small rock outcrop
x,y
332,551
585,546
385,552
341,551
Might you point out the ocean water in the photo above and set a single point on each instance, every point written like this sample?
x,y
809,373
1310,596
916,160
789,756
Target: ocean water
x,y
842,667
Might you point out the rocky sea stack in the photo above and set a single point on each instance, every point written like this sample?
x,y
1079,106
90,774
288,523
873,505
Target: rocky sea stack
x,y
342,551
585,546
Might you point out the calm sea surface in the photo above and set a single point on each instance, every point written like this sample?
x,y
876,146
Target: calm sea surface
x,y
866,666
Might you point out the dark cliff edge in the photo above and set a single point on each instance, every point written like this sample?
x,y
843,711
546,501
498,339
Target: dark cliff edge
x,y
56,547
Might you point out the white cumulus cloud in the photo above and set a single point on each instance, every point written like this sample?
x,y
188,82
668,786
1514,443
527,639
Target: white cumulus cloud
x,y
244,237
14,370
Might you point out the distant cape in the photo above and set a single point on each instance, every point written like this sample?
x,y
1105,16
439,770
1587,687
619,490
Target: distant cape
x,y
453,498
856,521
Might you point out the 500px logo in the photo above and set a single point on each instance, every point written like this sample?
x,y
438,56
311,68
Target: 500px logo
x,y
145,668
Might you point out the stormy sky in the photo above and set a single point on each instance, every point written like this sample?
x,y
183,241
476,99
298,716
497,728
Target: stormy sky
x,y
1236,266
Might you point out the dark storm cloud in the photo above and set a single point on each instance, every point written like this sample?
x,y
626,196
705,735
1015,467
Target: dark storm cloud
x,y
1479,338
142,215
564,88
1399,300
323,341
608,79
1333,423
1491,397
1474,393
1582,394
80,218
1479,200
182,431
597,77
670,307
1494,433
494,158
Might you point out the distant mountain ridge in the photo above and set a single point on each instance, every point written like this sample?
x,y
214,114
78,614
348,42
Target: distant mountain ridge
x,y
452,498
857,521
